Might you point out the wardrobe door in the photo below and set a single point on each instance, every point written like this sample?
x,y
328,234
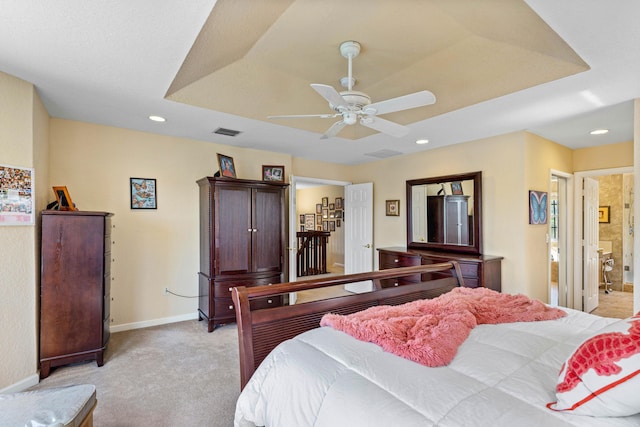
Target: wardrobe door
x,y
268,239
233,229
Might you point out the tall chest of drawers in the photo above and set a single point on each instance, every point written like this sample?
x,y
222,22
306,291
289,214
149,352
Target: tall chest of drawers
x,y
74,287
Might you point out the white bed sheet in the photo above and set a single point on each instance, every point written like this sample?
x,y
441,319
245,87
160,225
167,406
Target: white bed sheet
x,y
503,375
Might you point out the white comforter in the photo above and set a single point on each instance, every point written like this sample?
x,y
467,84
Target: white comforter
x,y
503,375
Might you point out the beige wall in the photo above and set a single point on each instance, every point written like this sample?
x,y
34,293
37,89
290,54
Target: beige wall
x,y
153,249
603,157
541,156
500,159
23,143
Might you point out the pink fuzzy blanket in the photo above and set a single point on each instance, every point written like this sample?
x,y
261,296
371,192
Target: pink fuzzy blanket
x,y
430,331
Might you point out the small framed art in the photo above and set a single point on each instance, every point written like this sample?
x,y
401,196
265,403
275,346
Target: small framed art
x,y
143,193
393,207
63,199
273,173
537,207
309,222
226,165
603,214
456,188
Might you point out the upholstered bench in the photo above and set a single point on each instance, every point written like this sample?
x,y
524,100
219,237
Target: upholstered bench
x,y
64,406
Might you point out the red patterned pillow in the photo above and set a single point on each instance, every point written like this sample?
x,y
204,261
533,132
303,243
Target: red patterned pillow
x,y
602,376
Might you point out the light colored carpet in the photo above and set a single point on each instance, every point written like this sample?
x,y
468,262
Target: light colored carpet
x,y
169,375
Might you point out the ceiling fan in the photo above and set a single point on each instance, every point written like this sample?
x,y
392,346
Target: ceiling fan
x,y
354,106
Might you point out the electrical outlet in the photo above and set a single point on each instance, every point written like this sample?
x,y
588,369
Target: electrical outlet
x,y
166,291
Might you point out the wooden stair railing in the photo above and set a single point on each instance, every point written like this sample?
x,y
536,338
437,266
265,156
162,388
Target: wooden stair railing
x,y
312,252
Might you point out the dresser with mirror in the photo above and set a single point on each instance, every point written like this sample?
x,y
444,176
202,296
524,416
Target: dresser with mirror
x,y
444,222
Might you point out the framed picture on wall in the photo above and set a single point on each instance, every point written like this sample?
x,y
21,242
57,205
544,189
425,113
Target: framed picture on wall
x,y
16,195
309,222
603,214
143,193
392,208
537,207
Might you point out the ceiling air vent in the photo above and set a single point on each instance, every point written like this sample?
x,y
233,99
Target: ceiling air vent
x,y
383,154
226,132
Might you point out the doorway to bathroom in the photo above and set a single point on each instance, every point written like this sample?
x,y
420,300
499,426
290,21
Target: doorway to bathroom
x,y
614,243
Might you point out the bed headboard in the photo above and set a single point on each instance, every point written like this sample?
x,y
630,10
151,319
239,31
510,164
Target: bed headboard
x,y
261,330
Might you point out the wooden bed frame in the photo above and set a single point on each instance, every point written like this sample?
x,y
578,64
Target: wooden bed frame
x,y
260,330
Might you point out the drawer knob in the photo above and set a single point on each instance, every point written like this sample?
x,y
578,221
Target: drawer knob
x,y
395,284
230,289
230,307
396,260
270,301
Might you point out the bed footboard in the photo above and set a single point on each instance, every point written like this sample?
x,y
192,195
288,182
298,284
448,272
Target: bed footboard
x,y
261,330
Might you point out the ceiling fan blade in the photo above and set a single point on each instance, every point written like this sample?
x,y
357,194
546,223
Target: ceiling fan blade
x,y
385,126
413,100
296,116
334,130
330,94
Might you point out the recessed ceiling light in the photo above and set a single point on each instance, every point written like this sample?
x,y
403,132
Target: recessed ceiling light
x,y
157,119
599,131
422,141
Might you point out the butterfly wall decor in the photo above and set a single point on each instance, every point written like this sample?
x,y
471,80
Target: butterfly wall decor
x,y
537,207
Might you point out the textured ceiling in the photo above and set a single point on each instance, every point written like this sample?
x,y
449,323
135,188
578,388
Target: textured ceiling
x,y
463,51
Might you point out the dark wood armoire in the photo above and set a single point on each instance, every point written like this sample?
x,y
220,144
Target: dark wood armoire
x,y
448,219
242,242
74,287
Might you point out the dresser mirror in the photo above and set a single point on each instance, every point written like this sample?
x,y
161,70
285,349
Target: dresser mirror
x,y
444,213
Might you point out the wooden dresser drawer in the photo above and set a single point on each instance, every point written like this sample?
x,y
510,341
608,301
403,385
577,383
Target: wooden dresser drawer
x,y
222,288
389,260
225,309
477,270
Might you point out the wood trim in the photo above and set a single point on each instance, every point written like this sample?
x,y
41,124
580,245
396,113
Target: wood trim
x,y
261,330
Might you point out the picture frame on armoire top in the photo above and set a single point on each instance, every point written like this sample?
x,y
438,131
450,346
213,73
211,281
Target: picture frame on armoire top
x,y
64,200
226,165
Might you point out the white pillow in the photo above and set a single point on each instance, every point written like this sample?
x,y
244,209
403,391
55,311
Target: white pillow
x,y
602,376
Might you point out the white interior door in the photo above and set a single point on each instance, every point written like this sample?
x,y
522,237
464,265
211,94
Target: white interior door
x,y
358,228
591,261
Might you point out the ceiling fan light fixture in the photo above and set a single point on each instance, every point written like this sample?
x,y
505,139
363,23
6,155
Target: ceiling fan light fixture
x,y
353,105
349,118
599,131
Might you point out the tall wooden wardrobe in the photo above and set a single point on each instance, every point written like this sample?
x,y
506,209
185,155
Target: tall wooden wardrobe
x,y
242,242
74,287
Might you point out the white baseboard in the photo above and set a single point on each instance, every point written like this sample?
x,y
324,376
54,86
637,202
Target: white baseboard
x,y
154,322
26,383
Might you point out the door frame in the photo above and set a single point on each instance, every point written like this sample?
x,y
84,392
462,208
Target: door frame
x,y
566,242
294,180
578,226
